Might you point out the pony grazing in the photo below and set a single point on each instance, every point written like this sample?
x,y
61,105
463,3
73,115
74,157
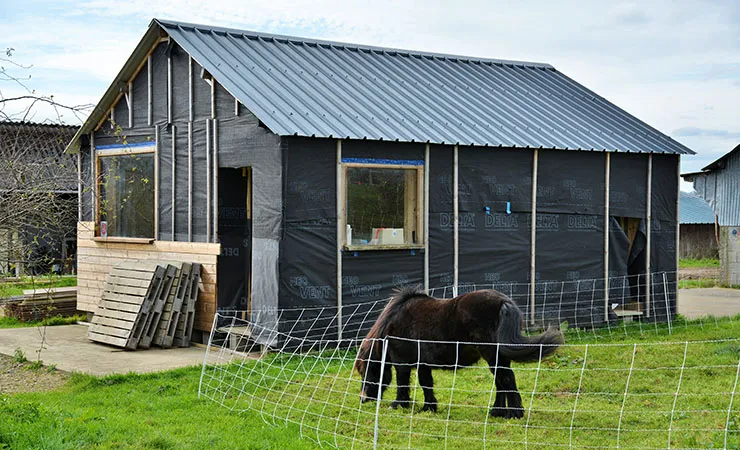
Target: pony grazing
x,y
425,332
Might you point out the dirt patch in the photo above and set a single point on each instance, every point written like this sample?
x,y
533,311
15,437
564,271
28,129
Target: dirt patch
x,y
20,377
698,273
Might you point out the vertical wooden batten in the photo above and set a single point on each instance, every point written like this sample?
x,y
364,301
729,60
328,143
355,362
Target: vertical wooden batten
x,y
190,88
649,232
130,97
341,233
150,97
208,180
173,133
533,238
607,222
93,181
426,218
190,181
455,221
156,181
215,180
79,186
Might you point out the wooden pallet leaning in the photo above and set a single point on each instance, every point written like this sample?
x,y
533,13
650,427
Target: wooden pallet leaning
x,y
126,298
155,314
172,309
155,288
184,330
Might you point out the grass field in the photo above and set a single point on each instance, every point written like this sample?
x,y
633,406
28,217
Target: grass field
x,y
320,392
686,263
14,288
11,322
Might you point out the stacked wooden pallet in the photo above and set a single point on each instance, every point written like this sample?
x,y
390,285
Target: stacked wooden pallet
x,y
40,304
147,303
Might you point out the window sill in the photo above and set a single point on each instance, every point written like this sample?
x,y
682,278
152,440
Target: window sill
x,y
123,240
361,248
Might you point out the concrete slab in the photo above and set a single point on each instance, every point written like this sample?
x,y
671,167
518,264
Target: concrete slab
x,y
69,349
717,302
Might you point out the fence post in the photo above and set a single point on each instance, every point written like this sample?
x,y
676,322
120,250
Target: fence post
x,y
380,392
667,306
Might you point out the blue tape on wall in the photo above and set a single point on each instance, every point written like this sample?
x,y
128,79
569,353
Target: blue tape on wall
x,y
124,146
398,162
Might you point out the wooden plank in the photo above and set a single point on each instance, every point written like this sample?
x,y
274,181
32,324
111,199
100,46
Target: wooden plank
x,y
117,322
100,329
112,313
119,306
106,339
155,314
123,298
131,282
120,272
126,290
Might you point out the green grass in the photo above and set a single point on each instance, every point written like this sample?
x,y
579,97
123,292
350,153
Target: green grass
x,y
11,322
321,393
687,263
16,288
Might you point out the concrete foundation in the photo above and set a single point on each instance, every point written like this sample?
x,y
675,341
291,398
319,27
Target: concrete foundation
x,y
729,255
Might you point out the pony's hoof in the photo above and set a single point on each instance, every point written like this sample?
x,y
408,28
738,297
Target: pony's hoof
x,y
498,412
515,413
430,407
401,403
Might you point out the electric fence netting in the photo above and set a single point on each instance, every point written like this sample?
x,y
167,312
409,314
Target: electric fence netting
x,y
620,380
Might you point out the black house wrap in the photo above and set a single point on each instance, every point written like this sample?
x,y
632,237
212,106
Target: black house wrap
x,y
268,144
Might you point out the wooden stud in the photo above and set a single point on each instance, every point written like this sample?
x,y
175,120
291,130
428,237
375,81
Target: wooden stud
x,y
607,223
156,181
215,180
341,232
130,98
533,238
173,133
150,95
169,88
190,181
648,280
455,221
426,218
190,87
208,180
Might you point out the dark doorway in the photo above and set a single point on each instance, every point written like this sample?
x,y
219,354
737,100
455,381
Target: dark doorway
x,y
235,236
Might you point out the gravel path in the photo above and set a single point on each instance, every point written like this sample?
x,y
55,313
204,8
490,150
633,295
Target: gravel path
x,y
19,377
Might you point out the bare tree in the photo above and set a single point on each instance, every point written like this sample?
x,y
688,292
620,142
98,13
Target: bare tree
x,y
38,181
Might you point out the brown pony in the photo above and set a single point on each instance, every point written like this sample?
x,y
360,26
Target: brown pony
x,y
424,332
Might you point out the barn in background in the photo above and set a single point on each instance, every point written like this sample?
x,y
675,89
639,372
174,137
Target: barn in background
x,y
38,199
699,232
719,184
313,174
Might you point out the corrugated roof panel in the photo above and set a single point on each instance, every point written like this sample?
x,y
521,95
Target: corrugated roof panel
x,y
316,88
695,210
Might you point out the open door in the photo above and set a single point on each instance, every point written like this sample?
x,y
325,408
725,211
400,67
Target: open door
x,y
235,236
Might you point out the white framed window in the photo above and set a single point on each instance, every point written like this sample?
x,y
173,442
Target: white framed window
x,y
126,191
383,203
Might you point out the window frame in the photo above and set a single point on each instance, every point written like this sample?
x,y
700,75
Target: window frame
x,y
418,167
105,151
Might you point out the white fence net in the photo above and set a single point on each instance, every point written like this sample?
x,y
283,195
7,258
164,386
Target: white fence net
x,y
623,385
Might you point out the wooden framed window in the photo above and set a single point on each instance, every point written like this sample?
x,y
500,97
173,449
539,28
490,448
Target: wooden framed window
x,y
383,204
126,191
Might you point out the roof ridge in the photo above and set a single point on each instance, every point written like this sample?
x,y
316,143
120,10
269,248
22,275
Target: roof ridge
x,y
354,46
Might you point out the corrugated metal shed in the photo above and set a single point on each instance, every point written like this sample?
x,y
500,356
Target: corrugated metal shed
x,y
719,185
695,210
306,87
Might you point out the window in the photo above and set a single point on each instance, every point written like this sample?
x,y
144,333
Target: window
x,y
126,193
383,205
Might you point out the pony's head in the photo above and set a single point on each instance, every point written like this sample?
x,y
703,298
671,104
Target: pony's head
x,y
368,365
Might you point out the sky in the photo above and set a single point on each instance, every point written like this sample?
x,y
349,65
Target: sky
x,y
673,64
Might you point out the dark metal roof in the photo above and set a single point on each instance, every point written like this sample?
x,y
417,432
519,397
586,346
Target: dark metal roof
x,y
307,87
695,210
34,158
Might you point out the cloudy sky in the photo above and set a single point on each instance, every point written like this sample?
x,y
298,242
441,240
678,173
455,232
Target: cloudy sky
x,y
673,64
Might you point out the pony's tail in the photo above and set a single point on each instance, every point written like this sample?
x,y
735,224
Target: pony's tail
x,y
525,349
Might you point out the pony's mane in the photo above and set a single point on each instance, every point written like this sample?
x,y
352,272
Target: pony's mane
x,y
370,349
